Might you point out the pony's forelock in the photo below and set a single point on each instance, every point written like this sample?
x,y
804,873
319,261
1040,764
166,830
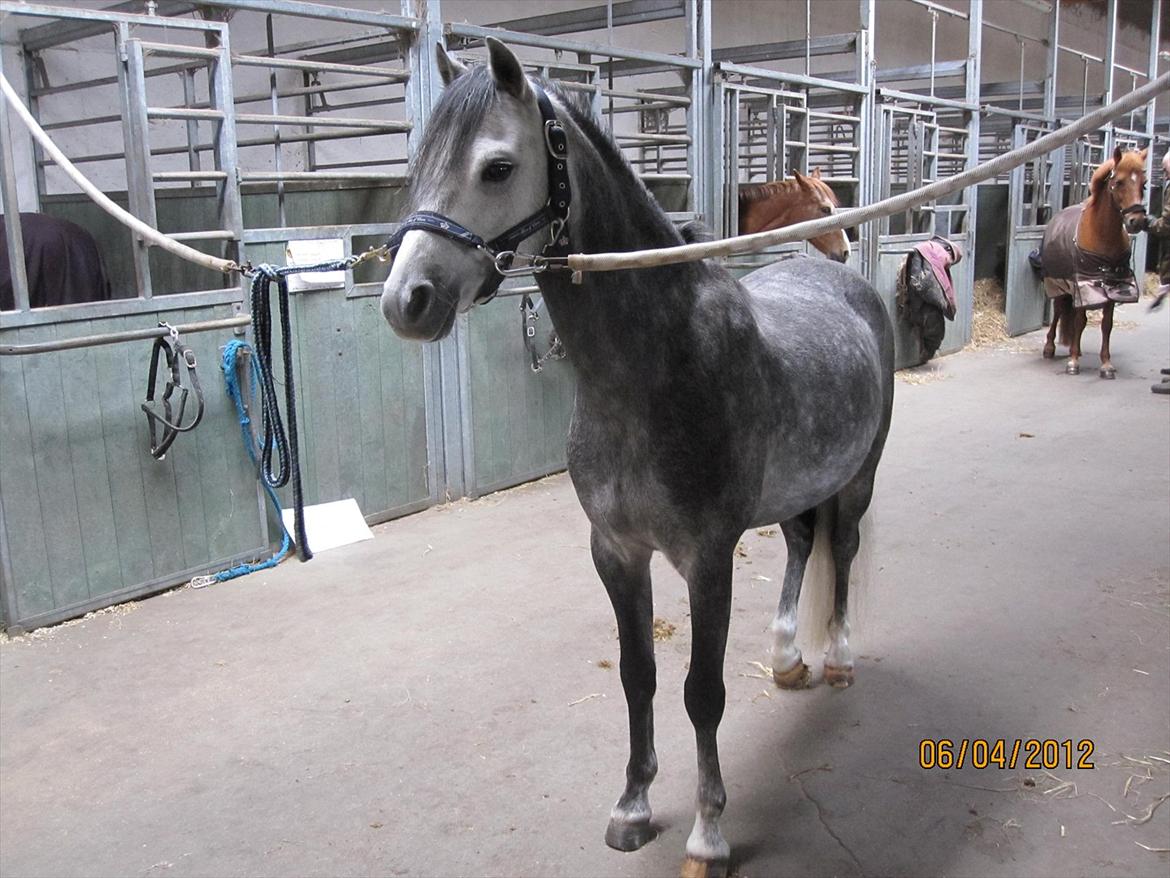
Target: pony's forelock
x,y
452,127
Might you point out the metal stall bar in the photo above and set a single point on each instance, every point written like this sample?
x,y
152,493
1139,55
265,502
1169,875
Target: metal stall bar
x,y
105,338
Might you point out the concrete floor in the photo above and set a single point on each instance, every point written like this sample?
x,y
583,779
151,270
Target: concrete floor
x,y
437,701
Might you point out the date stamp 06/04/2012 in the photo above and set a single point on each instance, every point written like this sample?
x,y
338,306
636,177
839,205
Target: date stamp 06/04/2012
x,y
1028,753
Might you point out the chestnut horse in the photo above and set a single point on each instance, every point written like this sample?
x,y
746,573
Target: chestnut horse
x,y
767,206
1094,238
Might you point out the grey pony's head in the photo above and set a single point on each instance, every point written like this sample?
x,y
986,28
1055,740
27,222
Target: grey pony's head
x,y
480,163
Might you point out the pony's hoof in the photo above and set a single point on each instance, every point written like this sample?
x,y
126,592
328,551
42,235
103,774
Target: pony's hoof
x,y
1108,372
1049,351
626,836
838,678
1072,369
695,868
796,677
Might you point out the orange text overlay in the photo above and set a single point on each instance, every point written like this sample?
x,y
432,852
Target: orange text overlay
x,y
1028,753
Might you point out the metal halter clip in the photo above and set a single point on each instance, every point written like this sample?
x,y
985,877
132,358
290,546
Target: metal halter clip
x,y
505,262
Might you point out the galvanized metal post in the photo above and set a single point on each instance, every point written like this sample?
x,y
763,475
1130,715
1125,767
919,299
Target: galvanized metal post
x,y
1052,62
870,122
11,201
974,59
222,97
15,243
450,452
139,186
1109,63
1155,32
32,61
704,162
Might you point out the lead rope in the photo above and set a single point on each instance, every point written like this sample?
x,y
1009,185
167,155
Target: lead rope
x,y
274,439
231,379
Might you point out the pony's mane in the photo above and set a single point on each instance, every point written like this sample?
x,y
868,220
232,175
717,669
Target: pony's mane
x,y
752,192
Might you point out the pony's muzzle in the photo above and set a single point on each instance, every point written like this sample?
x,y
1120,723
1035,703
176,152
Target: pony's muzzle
x,y
416,310
1135,222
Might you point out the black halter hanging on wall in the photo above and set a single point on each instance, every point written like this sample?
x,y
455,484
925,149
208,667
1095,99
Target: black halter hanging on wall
x,y
166,426
502,248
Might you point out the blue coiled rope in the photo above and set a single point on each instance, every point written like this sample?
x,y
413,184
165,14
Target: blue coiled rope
x,y
231,379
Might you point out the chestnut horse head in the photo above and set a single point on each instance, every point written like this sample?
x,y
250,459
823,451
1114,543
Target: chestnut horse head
x,y
767,206
1115,205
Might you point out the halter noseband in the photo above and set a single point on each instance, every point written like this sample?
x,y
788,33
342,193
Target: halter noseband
x,y
502,248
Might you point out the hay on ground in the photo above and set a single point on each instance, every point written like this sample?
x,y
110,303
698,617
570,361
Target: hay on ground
x,y
989,323
663,630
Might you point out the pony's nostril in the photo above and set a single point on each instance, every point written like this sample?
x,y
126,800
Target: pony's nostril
x,y
420,298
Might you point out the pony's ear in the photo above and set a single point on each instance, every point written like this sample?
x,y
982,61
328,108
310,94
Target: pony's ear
x,y
800,178
506,69
1116,156
817,173
450,68
1145,153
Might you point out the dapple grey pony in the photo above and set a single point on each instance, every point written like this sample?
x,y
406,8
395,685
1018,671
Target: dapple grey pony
x,y
704,406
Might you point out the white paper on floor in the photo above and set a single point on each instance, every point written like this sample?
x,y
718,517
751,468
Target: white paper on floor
x,y
329,525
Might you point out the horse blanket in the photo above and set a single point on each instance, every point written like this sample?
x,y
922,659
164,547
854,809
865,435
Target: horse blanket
x,y
1091,279
62,260
926,292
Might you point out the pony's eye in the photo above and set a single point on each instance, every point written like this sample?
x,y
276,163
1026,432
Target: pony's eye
x,y
497,172
826,209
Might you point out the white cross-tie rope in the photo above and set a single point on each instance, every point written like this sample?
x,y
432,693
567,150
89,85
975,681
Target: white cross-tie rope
x,y
145,230
687,252
844,219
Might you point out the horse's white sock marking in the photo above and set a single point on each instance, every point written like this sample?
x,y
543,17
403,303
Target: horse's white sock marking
x,y
706,842
785,655
838,655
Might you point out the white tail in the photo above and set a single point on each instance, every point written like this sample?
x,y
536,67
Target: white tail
x,y
820,580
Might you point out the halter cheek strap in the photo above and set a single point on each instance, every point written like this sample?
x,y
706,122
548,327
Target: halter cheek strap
x,y
502,248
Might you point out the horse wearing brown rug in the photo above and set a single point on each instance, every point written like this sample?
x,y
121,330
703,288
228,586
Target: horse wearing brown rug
x,y
1085,256
779,203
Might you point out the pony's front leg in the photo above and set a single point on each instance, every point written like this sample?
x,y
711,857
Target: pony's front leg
x,y
709,586
1107,370
1079,318
625,571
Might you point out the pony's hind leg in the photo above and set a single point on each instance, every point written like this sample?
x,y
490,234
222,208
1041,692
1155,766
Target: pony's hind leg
x,y
851,504
788,667
1107,370
626,575
709,586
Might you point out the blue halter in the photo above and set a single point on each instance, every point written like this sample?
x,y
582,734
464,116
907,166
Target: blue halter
x,y
502,248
